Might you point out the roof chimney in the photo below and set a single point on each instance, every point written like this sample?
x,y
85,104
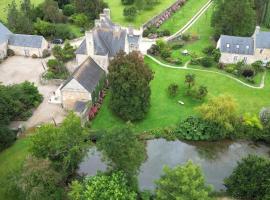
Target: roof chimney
x,y
102,16
97,23
107,12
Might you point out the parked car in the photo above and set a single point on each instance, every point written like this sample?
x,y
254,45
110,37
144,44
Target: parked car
x,y
57,41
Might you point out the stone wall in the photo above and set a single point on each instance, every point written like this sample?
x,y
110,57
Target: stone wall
x,y
166,14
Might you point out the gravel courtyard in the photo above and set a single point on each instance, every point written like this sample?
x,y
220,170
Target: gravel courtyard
x,y
18,69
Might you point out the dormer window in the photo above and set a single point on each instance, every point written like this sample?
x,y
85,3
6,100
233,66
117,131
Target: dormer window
x,y
237,46
228,45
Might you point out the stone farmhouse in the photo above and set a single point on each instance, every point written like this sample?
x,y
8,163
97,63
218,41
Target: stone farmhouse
x,y
247,49
22,45
100,45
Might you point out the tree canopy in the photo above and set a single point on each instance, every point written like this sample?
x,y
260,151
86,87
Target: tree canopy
x,y
182,183
102,187
232,17
129,79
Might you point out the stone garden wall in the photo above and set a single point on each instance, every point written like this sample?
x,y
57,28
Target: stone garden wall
x,y
166,14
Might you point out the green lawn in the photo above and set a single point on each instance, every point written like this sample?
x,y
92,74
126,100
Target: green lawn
x,y
11,159
203,30
4,4
166,111
145,15
183,15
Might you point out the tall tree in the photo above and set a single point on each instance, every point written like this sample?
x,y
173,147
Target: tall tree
x,y
124,152
232,17
182,183
129,79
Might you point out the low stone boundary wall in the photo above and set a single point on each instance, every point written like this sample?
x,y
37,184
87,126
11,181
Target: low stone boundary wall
x,y
44,81
166,14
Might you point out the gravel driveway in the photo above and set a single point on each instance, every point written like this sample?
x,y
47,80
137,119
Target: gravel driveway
x,y
18,69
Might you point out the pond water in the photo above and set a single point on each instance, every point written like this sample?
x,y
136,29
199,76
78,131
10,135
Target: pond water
x,y
217,159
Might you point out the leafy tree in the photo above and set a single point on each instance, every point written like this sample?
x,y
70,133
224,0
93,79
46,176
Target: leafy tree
x,y
51,12
124,151
102,187
232,17
202,92
39,180
250,179
190,80
92,8
221,110
65,146
183,183
68,9
173,89
64,54
18,21
80,20
129,79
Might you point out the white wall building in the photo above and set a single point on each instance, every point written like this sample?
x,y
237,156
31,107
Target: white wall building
x,y
248,49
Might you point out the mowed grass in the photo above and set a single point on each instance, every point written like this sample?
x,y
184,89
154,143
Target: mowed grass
x,y
11,159
143,16
4,5
166,111
183,15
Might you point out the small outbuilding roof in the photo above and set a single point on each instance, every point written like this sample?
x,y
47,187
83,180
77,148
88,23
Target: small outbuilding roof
x,y
237,45
33,41
4,33
263,40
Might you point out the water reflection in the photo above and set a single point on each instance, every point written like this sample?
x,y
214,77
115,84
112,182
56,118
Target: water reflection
x,y
217,159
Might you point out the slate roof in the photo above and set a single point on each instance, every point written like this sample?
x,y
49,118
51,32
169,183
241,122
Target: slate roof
x,y
82,48
237,45
79,106
4,33
88,74
33,41
263,40
133,39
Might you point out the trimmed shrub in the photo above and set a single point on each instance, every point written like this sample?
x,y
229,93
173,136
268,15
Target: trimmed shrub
x,y
173,89
206,61
68,9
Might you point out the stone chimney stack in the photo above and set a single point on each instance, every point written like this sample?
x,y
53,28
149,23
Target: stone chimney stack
x,y
102,17
107,12
97,23
89,42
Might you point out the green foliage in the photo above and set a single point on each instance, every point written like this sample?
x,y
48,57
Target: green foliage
x,y
182,182
194,128
80,20
65,146
64,54
190,80
265,116
173,89
130,100
38,180
56,70
52,12
102,187
127,2
44,28
206,61
221,110
7,137
234,18
68,9
130,13
63,31
124,151
258,66
250,179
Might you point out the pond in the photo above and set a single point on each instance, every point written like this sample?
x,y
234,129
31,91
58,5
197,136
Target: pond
x,y
217,159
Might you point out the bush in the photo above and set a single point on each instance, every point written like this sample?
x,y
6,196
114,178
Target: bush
x,y
186,37
154,50
7,137
10,52
68,9
173,89
258,66
216,55
250,179
230,68
208,50
206,61
45,28
46,53
165,54
127,2
130,12
63,31
80,20
177,45
247,71
34,56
